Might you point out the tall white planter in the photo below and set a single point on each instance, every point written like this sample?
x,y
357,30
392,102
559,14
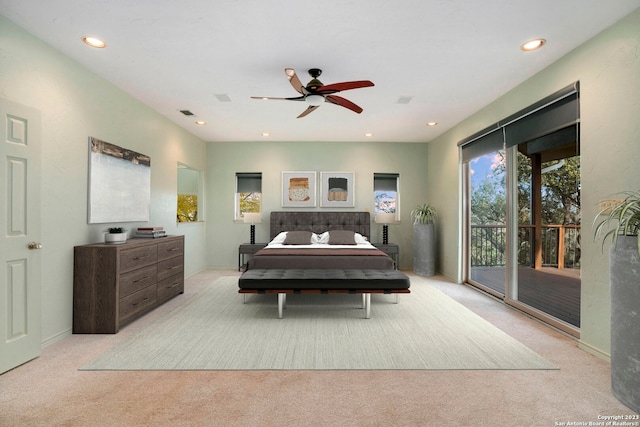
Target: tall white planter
x,y
625,321
424,249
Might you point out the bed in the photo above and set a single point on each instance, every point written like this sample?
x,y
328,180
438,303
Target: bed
x,y
320,240
321,252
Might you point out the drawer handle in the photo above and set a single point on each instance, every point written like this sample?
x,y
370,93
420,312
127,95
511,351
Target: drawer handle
x,y
173,249
173,268
140,257
174,285
141,301
140,280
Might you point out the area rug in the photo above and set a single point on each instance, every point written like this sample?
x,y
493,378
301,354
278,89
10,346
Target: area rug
x,y
216,330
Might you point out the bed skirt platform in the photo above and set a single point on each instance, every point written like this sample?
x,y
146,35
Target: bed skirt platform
x,y
323,281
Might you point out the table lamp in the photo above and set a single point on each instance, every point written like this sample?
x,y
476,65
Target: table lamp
x,y
385,219
253,218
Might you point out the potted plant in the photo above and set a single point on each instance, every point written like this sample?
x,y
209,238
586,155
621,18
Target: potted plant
x,y
621,223
115,235
424,239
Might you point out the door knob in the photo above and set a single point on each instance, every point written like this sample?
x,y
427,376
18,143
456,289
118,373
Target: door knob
x,y
34,245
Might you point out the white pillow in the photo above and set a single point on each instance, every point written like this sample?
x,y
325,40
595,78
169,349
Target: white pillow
x,y
279,239
359,238
322,238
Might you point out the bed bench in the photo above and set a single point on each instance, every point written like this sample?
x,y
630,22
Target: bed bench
x,y
323,281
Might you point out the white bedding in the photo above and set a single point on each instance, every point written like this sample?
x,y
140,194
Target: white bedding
x,y
365,245
320,241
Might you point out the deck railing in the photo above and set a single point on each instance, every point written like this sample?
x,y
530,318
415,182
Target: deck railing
x,y
488,245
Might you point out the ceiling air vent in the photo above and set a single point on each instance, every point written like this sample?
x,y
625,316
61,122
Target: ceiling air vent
x,y
187,112
223,97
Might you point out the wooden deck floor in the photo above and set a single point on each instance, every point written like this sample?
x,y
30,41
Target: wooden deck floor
x,y
553,291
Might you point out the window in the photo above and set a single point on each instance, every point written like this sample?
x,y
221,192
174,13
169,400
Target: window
x,y
189,194
386,192
248,193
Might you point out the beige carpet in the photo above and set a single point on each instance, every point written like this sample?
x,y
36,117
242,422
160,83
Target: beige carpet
x,y
51,391
214,330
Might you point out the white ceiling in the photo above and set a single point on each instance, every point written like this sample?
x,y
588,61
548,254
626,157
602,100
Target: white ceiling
x,y
451,56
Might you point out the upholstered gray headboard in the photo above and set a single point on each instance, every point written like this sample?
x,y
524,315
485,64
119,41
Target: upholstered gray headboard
x,y
319,222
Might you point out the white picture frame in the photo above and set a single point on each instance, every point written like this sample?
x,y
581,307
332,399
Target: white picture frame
x,y
299,189
337,189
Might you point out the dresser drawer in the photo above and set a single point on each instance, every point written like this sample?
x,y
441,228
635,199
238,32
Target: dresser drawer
x,y
137,279
170,267
170,287
171,248
137,302
131,259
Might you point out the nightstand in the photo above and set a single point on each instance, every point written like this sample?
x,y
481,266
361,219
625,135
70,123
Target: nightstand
x,y
390,249
248,249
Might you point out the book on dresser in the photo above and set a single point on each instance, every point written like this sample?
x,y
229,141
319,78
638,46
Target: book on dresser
x,y
116,284
150,232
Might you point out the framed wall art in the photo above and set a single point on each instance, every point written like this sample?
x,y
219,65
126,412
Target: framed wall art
x,y
337,189
298,189
119,184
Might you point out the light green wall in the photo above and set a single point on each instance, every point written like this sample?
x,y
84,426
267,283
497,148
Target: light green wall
x,y
608,68
271,158
76,104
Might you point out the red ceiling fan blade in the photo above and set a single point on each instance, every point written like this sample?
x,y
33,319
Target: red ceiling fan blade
x,y
338,87
338,100
297,98
295,81
308,110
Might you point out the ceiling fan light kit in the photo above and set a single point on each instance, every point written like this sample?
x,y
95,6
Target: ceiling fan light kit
x,y
315,92
314,100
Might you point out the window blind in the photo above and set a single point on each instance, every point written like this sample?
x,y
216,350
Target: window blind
x,y
546,117
249,182
484,142
385,181
551,122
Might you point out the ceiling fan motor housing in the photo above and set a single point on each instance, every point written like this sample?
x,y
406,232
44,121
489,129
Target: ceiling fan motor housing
x,y
314,84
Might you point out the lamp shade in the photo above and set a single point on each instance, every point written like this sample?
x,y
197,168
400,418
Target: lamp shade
x,y
385,218
252,218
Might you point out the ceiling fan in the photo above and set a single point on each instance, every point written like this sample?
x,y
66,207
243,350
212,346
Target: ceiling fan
x,y
315,92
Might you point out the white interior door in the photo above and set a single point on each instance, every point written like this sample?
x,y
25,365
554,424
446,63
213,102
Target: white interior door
x,y
20,327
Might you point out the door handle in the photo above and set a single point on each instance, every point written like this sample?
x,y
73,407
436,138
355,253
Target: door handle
x,y
34,245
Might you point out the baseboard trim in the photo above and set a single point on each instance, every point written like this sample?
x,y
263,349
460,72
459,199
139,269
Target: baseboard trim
x,y
594,351
56,338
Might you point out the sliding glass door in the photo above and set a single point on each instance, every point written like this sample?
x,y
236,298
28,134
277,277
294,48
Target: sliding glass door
x,y
522,210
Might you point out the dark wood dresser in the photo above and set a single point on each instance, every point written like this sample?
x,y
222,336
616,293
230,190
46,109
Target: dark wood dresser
x,y
115,284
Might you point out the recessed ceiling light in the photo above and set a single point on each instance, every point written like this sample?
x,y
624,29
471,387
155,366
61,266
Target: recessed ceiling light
x,y
368,134
265,134
94,42
200,122
432,124
533,44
